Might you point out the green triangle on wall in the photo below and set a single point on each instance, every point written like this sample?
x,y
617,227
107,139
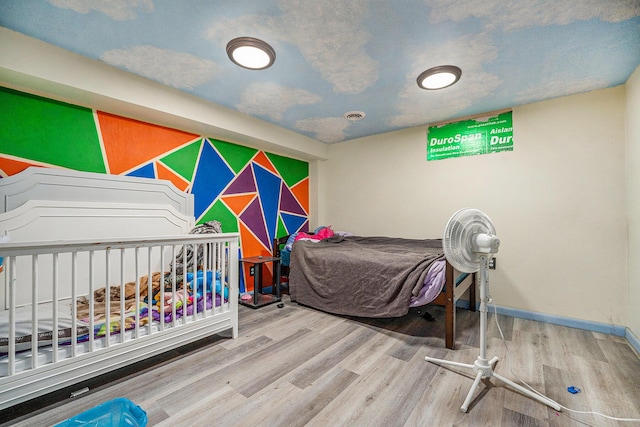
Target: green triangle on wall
x,y
49,131
236,156
219,212
281,231
292,171
183,161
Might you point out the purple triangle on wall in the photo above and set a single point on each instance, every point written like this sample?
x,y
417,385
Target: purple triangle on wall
x,y
254,219
288,202
244,182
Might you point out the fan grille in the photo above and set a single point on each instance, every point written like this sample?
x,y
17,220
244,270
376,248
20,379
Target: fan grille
x,y
457,241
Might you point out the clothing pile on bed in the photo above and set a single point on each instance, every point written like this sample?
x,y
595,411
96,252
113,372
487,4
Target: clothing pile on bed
x,y
320,233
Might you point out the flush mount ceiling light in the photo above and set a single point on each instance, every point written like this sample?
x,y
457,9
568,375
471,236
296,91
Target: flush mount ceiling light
x,y
439,77
251,53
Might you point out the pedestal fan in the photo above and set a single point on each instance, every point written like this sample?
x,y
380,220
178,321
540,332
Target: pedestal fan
x,y
469,242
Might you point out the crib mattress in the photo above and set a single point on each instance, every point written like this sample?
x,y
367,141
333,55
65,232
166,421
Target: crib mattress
x,y
45,354
45,326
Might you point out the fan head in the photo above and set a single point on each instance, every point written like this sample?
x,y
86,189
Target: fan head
x,y
468,236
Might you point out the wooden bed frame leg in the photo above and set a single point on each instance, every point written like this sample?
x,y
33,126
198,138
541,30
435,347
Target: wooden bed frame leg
x,y
450,309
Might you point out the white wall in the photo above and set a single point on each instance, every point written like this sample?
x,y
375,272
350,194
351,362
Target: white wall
x,y
557,201
632,122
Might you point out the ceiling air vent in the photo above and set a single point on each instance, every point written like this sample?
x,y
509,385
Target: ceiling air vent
x,y
354,116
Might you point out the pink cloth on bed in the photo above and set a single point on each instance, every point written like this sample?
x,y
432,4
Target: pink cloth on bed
x,y
323,233
433,284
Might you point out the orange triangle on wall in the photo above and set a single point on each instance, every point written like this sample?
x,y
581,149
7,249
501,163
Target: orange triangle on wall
x,y
238,203
164,173
264,161
301,191
129,143
10,167
250,247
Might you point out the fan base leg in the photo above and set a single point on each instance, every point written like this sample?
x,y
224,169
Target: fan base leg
x,y
484,369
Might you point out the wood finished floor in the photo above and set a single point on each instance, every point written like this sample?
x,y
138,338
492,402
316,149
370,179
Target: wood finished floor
x,y
295,366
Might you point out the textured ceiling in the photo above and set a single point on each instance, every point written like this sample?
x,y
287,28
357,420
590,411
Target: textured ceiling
x,y
357,55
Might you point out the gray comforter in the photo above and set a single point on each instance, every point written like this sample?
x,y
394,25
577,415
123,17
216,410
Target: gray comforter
x,y
361,276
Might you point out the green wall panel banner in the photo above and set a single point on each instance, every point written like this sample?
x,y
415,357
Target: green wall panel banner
x,y
471,137
48,131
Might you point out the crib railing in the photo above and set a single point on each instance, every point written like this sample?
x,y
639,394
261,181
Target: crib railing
x,y
90,307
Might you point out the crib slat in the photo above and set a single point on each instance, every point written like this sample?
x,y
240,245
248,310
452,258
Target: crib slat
x,y
194,282
74,306
161,294
173,285
223,272
12,315
54,331
149,286
123,326
137,282
220,247
107,299
92,324
185,294
34,310
206,267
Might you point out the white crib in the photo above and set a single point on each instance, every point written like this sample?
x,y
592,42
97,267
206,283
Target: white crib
x,y
71,256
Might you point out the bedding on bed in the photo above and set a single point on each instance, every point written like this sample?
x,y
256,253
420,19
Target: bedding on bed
x,y
362,276
433,284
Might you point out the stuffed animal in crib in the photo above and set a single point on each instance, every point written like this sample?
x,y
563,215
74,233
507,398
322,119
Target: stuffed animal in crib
x,y
170,298
199,283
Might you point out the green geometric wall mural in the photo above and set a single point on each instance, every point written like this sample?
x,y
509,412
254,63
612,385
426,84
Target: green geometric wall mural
x,y
48,131
257,194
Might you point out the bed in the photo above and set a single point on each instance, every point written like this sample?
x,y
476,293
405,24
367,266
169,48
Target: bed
x,y
373,277
101,271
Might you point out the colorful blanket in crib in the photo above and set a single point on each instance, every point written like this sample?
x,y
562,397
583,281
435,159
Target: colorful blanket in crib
x,y
199,288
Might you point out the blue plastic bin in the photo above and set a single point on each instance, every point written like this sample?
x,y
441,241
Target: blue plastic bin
x,y
119,412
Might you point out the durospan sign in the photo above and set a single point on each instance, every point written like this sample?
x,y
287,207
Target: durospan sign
x,y
470,137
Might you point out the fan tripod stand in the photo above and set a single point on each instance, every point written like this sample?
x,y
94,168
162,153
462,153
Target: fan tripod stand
x,y
482,366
